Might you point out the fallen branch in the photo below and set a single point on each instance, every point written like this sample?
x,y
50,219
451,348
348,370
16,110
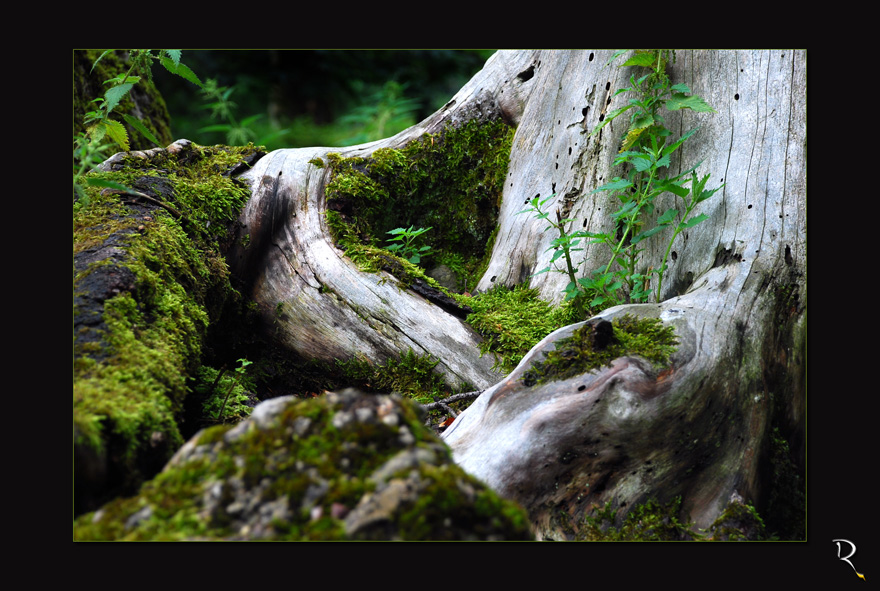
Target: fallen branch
x,y
454,398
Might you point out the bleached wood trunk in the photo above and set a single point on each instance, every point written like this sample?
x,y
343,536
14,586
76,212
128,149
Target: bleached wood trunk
x,y
734,290
330,309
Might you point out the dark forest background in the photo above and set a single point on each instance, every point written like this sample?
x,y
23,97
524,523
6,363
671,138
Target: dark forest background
x,y
298,98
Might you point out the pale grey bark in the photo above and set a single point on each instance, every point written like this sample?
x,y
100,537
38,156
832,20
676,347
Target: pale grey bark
x,y
326,308
734,291
701,431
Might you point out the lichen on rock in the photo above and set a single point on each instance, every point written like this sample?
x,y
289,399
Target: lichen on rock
x,y
343,466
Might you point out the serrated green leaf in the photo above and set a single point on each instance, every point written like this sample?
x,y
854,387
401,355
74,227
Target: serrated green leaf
x,y
116,94
647,234
117,133
642,163
136,123
693,221
96,132
624,210
174,54
668,216
640,121
706,194
641,58
181,70
694,103
680,88
610,117
675,145
672,187
615,185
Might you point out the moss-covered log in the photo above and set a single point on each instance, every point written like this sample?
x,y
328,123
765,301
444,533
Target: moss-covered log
x,y
318,218
149,278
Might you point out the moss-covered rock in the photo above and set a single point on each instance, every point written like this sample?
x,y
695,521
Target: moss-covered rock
x,y
738,522
343,466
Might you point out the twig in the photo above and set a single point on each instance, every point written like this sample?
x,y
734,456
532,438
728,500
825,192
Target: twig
x,y
454,398
223,406
448,409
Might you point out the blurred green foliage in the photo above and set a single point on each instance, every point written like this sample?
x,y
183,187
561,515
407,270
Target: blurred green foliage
x,y
333,98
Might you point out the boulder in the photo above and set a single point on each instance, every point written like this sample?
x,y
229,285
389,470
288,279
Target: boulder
x,y
342,466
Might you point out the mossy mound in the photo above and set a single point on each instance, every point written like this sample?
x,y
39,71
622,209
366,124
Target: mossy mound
x,y
451,182
343,466
513,320
149,278
655,521
599,342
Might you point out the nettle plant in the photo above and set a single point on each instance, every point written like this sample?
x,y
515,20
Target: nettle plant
x,y
646,151
89,148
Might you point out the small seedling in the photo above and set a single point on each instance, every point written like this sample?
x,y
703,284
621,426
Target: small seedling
x,y
404,244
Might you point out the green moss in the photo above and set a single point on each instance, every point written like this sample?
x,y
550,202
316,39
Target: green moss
x,y
653,521
444,508
738,522
512,321
649,521
451,181
579,353
134,350
412,375
315,457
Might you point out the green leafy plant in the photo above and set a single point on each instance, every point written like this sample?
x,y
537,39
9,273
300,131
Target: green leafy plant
x,y
99,123
646,151
383,113
562,246
404,244
102,132
221,107
226,393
